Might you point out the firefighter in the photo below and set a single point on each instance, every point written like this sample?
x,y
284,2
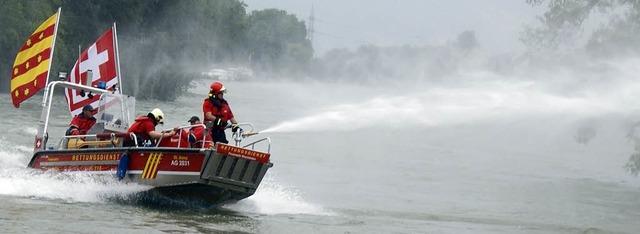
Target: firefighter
x,y
198,134
216,109
81,123
144,128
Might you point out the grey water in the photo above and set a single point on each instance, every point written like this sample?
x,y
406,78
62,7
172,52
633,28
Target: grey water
x,y
486,157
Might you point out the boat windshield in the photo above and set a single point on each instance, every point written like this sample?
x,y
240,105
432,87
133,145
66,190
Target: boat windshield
x,y
116,112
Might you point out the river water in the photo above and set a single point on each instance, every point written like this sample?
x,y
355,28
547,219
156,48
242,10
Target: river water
x,y
484,157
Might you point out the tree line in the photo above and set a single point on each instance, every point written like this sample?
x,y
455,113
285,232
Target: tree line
x,y
163,44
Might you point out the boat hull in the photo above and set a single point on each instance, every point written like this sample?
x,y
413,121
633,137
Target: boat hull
x,y
204,177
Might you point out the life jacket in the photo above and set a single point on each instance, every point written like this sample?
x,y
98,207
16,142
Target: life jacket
x,y
198,132
220,108
138,127
80,125
176,140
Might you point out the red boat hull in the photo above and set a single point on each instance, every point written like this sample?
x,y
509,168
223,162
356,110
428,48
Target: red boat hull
x,y
190,176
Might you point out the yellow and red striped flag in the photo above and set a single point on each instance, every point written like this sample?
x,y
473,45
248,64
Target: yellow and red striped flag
x,y
31,68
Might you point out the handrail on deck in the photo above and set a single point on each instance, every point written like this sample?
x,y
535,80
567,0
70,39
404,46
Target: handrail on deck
x,y
180,136
81,138
258,141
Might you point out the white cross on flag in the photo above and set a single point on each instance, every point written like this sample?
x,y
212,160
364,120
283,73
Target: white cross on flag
x,y
100,58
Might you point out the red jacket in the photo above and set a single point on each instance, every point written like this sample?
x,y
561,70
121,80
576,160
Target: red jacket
x,y
142,126
179,140
198,132
218,107
80,125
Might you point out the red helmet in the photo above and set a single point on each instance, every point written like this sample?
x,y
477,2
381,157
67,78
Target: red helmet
x,y
216,88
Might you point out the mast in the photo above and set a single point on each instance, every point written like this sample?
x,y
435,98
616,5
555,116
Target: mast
x,y
115,41
123,107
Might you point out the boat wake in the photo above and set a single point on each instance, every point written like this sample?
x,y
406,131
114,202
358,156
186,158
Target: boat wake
x,y
71,187
274,198
18,180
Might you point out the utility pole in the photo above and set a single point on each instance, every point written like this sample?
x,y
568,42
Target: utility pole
x,y
310,29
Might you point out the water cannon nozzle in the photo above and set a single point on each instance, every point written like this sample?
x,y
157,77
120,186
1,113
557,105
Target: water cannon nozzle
x,y
248,134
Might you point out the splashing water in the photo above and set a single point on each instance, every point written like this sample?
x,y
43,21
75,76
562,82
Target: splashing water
x,y
496,101
71,187
18,180
275,198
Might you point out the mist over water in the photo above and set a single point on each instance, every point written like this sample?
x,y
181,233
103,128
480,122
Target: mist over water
x,y
439,138
492,101
483,149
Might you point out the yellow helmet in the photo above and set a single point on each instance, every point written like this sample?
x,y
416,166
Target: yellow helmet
x,y
157,113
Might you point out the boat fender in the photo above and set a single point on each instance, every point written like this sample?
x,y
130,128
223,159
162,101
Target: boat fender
x,y
122,166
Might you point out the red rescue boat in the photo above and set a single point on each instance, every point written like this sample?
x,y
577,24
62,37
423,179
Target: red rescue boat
x,y
177,173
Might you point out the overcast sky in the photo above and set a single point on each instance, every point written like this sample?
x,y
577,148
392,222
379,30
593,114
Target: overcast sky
x,y
351,23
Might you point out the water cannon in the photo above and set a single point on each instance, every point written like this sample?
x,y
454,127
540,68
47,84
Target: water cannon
x,y
240,134
248,134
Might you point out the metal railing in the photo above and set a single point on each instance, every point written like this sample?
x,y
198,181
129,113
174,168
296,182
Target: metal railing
x,y
252,144
112,138
237,136
204,136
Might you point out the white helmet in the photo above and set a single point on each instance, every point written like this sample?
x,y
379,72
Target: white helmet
x,y
159,115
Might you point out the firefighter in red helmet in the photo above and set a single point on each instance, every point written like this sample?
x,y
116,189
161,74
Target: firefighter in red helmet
x,y
216,109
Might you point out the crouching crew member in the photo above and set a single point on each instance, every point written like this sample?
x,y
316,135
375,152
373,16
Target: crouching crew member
x,y
144,128
81,123
198,132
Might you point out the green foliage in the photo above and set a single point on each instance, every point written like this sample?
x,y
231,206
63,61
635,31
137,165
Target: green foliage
x,y
24,17
467,40
163,44
559,24
562,24
277,42
633,165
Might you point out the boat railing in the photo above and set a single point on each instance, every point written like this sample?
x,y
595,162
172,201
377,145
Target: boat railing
x,y
239,135
42,135
135,139
80,141
253,144
114,139
180,135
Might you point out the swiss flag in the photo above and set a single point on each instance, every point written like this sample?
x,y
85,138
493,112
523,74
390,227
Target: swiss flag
x,y
100,58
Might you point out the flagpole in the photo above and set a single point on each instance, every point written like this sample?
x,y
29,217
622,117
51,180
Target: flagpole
x,y
115,41
124,107
53,46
